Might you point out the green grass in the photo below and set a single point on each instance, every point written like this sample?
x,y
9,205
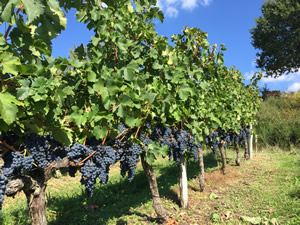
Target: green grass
x,y
266,188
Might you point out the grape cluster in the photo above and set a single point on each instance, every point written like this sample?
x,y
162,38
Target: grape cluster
x,y
146,140
128,160
44,149
14,162
76,154
193,146
118,143
89,176
3,182
248,132
121,127
241,137
178,141
213,140
103,158
95,167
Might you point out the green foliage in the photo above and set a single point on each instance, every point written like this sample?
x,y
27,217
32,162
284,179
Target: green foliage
x,y
127,73
276,35
278,121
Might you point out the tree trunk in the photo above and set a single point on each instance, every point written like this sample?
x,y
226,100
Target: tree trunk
x,y
183,184
34,186
201,175
157,205
37,205
36,197
221,148
236,146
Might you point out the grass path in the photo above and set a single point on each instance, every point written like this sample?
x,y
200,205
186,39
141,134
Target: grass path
x,y
264,190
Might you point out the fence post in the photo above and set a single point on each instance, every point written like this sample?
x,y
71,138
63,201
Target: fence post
x,y
256,138
250,144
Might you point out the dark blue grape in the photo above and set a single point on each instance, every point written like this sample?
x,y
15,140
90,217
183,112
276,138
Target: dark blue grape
x,y
3,182
128,160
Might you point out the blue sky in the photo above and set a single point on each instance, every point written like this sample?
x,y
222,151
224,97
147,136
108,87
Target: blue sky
x,y
225,21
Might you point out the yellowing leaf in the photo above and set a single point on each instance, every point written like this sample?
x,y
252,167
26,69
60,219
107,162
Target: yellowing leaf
x,y
130,8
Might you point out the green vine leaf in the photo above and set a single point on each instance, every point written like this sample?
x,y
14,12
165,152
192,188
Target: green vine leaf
x,y
9,63
8,108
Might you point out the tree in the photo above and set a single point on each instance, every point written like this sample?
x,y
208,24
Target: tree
x,y
277,35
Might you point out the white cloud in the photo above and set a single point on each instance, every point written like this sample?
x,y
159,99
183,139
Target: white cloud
x,y
172,12
171,7
159,4
283,78
171,2
205,2
248,75
293,88
189,4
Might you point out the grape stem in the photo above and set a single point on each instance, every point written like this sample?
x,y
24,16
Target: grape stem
x,y
8,146
188,124
136,133
10,26
120,134
87,131
85,159
107,131
119,141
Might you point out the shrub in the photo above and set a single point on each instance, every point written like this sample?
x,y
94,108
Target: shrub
x,y
278,121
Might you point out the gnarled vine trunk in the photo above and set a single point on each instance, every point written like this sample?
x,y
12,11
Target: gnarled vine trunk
x,y
222,151
157,205
237,149
201,165
183,184
37,204
34,186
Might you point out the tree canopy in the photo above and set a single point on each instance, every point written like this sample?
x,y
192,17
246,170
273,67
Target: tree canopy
x,y
277,35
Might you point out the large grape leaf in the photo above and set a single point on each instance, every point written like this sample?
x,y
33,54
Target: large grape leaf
x,y
8,108
8,10
33,8
9,63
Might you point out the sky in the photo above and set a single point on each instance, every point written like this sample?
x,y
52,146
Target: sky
x,y
225,21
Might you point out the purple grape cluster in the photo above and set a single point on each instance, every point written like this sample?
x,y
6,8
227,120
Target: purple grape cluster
x,y
13,163
78,152
95,167
178,142
89,175
3,182
241,137
128,160
44,149
213,141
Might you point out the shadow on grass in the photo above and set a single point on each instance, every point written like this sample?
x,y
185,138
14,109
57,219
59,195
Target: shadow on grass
x,y
119,198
